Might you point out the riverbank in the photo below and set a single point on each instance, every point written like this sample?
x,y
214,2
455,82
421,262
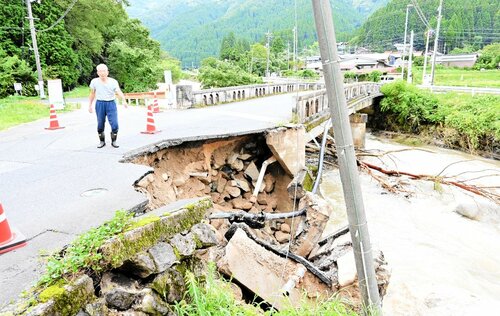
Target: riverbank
x,y
442,261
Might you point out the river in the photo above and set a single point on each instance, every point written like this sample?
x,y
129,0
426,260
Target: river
x,y
442,262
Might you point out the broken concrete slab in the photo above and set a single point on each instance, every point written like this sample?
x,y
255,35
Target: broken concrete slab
x,y
346,269
288,146
301,183
266,273
308,230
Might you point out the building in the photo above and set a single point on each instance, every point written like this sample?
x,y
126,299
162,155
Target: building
x,y
461,61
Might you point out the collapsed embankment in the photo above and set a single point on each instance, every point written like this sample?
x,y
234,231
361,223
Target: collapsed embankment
x,y
248,185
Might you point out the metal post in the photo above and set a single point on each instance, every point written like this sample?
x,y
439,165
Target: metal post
x,y
409,79
268,36
436,40
35,49
288,55
295,39
404,42
429,32
346,157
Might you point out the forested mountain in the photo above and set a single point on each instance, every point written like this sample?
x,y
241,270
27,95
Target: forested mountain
x,y
193,29
472,22
72,44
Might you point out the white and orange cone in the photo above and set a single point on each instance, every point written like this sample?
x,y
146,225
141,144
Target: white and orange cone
x,y
9,239
54,123
150,123
156,106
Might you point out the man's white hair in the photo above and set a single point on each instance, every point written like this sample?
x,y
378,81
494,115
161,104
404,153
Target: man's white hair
x,y
101,67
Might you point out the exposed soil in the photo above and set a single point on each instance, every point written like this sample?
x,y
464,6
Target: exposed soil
x,y
227,171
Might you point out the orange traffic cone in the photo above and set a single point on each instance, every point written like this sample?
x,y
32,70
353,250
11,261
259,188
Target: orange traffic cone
x,y
150,123
54,123
9,239
156,107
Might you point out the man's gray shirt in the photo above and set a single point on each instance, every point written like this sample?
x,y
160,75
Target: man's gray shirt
x,y
104,91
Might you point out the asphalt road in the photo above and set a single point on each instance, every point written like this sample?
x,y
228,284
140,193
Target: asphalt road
x,y
44,173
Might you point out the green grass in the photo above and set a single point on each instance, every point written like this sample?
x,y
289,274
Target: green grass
x,y
214,297
78,92
460,120
82,252
16,110
461,77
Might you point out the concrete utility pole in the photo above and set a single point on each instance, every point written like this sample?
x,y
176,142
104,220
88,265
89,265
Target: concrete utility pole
x,y
294,50
410,61
404,42
35,49
346,157
268,36
424,75
436,41
288,55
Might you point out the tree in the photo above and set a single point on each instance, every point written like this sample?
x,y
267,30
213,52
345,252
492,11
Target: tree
x,y
217,73
13,69
489,57
136,69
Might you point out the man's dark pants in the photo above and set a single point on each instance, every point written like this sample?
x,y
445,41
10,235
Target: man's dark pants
x,y
103,109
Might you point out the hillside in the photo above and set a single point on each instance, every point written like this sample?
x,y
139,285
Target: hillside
x,y
472,22
192,30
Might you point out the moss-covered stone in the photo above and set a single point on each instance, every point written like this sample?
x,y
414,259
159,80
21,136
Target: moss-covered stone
x,y
123,247
142,222
64,299
310,125
170,285
308,182
52,292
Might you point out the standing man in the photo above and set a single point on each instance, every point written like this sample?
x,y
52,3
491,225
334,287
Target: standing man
x,y
105,89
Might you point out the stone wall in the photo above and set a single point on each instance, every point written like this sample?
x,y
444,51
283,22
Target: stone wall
x,y
142,269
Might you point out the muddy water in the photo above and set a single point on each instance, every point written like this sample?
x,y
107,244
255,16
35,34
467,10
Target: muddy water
x,y
442,262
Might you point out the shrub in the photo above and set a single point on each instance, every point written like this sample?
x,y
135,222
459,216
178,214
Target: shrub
x,y
410,106
216,74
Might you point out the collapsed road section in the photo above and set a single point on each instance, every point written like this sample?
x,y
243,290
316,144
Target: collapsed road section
x,y
239,203
271,225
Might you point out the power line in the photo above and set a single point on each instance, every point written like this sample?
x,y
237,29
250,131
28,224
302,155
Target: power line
x,y
420,13
60,18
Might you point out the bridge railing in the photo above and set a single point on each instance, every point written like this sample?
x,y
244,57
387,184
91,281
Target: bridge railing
x,y
237,93
309,106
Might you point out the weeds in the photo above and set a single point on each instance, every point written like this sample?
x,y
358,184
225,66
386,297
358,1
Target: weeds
x,y
82,253
475,120
214,297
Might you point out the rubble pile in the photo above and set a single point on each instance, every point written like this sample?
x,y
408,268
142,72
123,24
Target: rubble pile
x,y
256,248
225,170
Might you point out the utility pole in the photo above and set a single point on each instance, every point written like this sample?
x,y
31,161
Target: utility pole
x,y
288,55
295,39
404,42
293,53
410,61
268,36
436,41
424,75
346,157
35,49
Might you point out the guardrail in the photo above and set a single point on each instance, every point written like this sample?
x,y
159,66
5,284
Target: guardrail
x,y
309,106
471,90
237,93
186,98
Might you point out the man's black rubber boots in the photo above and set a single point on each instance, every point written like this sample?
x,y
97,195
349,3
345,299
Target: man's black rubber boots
x,y
113,139
102,141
